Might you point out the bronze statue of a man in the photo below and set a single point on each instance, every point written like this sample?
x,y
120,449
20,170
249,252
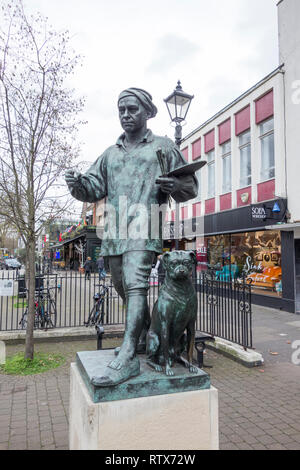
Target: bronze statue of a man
x,y
130,169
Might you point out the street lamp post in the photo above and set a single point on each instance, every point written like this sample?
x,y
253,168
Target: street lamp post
x,y
178,104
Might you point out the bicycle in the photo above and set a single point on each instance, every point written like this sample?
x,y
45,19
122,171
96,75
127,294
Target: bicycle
x,y
45,310
96,315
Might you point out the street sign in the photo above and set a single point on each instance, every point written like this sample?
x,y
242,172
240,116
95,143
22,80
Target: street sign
x,y
6,287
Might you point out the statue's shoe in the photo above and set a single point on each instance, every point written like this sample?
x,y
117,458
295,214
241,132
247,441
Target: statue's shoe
x,y
141,349
115,377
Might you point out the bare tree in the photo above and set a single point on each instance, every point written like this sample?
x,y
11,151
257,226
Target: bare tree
x,y
4,229
79,248
38,123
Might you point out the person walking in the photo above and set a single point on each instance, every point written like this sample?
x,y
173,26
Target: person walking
x,y
88,267
101,268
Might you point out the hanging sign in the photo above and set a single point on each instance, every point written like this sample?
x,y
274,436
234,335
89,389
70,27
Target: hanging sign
x,y
6,287
276,208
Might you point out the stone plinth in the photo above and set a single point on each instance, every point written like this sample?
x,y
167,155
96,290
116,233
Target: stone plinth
x,y
148,383
180,420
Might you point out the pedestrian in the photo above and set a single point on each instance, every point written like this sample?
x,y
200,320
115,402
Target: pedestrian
x,y
160,270
88,267
101,268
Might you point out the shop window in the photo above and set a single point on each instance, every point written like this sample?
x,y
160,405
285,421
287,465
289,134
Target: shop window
x,y
218,252
226,157
253,256
258,258
267,150
245,159
211,174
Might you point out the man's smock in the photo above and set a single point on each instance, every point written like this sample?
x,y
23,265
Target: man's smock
x,y
119,173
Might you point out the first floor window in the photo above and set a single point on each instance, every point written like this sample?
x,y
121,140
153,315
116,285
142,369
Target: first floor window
x,y
198,176
226,187
267,150
245,159
211,180
226,157
211,174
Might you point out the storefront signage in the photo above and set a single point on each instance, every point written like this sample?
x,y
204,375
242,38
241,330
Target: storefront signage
x,y
269,211
258,213
250,266
6,287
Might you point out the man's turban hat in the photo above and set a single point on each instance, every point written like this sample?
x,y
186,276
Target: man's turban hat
x,y
143,96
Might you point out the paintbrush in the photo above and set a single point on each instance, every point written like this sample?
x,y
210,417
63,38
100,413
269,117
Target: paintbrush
x,y
162,163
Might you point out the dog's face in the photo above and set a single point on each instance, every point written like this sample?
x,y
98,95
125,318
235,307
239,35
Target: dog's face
x,y
179,264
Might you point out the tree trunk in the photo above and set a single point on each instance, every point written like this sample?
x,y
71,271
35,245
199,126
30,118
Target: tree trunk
x,y
30,276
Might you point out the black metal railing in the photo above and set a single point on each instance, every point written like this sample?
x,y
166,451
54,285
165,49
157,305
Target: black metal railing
x,y
224,307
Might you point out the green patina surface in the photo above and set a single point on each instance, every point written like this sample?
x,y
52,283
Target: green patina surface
x,y
148,383
133,176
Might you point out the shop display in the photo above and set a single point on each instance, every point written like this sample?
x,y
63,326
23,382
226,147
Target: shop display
x,y
228,273
255,256
267,279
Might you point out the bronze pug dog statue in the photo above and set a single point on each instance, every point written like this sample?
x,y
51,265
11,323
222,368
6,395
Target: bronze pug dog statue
x,y
174,312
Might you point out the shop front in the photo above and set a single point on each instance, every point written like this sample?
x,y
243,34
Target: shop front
x,y
72,252
254,256
238,244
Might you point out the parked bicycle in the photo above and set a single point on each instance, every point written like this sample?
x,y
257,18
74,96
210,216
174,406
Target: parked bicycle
x,y
45,310
96,315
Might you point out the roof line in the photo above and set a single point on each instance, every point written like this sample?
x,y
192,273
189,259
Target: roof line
x,y
230,105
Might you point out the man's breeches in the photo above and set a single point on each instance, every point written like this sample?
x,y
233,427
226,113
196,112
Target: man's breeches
x,y
130,272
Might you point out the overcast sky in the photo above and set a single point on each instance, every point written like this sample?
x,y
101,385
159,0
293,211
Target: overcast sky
x,y
218,49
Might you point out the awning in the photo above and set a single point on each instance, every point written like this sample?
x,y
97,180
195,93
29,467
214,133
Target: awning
x,y
284,227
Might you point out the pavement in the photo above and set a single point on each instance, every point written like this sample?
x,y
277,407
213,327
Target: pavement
x,y
259,408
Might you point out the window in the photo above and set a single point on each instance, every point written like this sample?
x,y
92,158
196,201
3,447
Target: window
x,y
257,256
211,174
267,150
196,149
253,255
245,159
218,250
198,176
226,157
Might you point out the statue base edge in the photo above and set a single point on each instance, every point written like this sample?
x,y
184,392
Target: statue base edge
x,y
177,421
147,383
